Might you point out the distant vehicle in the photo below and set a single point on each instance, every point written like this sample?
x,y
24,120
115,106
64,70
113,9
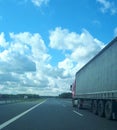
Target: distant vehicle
x,y
95,84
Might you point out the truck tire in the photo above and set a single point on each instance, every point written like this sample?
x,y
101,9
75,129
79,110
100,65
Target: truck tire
x,y
100,110
74,102
108,110
94,106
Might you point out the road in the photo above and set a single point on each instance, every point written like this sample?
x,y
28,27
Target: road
x,y
52,114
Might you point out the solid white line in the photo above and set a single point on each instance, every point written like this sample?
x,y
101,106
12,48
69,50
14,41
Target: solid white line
x,y
18,116
77,113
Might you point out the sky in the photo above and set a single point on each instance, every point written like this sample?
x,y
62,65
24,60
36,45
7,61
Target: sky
x,y
43,43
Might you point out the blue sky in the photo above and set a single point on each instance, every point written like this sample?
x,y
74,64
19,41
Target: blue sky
x,y
43,43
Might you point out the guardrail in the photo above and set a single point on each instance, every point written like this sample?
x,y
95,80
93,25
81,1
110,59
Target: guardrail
x,y
9,101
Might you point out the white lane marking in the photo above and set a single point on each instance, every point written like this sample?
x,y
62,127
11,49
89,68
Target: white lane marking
x,y
18,116
77,113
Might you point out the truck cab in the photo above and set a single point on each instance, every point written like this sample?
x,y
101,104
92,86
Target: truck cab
x,y
73,90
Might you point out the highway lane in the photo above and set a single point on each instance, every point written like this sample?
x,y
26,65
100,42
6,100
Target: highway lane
x,y
55,114
8,111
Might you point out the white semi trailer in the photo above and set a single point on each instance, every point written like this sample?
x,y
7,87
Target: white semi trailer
x,y
95,83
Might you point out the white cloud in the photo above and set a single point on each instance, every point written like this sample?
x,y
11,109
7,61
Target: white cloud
x,y
67,65
25,57
25,65
23,53
30,45
82,48
3,42
38,3
115,32
107,6
62,39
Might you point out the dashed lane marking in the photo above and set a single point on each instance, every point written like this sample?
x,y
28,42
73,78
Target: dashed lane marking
x,y
78,113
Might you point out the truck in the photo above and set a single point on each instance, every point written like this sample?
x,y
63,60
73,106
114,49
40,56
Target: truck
x,y
95,84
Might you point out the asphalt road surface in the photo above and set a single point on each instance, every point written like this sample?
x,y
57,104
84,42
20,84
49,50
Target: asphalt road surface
x,y
52,114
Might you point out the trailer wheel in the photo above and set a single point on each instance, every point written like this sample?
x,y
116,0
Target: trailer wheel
x,y
74,102
94,107
108,110
100,108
